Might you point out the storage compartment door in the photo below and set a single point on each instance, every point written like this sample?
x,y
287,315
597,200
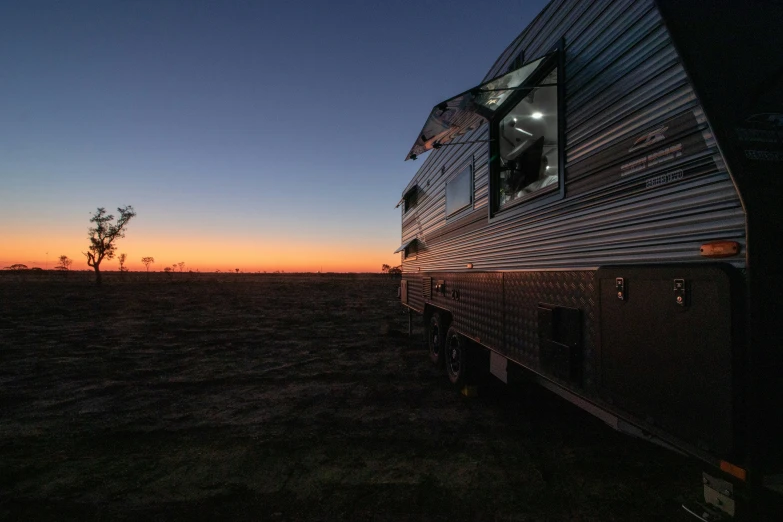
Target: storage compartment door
x,y
666,349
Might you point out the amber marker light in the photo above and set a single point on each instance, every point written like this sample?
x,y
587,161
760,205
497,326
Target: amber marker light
x,y
720,249
733,470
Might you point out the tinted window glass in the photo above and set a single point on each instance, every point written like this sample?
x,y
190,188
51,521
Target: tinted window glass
x,y
459,191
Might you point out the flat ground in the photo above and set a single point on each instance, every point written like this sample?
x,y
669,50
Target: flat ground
x,y
283,397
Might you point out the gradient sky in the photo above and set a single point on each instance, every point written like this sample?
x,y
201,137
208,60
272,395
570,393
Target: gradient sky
x,y
253,134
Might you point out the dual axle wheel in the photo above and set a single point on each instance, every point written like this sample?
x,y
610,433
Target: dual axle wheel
x,y
447,348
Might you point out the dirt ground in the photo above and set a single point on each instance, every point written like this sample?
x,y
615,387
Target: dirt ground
x,y
283,397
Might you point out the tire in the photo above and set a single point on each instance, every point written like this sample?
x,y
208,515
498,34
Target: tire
x,y
435,338
455,355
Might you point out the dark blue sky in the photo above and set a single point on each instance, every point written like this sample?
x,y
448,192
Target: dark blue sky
x,y
268,131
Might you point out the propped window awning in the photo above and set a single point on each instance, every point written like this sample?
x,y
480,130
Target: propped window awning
x,y
408,194
406,245
465,112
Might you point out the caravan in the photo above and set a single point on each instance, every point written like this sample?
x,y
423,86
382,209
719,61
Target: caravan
x,y
603,215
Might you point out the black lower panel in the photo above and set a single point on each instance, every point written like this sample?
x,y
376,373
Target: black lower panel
x,y
669,361
665,363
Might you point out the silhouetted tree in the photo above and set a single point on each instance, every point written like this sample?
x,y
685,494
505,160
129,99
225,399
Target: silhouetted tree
x,y
17,266
103,236
121,259
65,263
181,265
393,271
147,261
237,270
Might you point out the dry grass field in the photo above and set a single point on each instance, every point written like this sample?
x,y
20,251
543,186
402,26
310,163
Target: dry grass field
x,y
283,397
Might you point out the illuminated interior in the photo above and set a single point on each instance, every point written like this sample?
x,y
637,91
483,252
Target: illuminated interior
x,y
528,143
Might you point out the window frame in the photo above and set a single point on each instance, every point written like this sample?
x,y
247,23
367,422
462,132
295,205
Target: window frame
x,y
547,195
410,199
411,252
409,249
470,165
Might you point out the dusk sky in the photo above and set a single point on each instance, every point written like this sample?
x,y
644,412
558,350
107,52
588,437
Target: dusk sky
x,y
259,135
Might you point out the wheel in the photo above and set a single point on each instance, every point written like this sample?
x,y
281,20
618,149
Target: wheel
x,y
435,338
456,355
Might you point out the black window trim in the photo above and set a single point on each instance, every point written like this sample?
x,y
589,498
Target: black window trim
x,y
470,164
410,199
409,249
545,196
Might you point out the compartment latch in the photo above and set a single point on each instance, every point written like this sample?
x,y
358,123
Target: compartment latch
x,y
680,292
619,285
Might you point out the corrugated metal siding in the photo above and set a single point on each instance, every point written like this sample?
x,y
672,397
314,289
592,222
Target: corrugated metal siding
x,y
623,78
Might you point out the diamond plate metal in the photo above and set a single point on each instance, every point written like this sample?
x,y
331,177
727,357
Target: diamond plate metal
x,y
500,309
525,290
477,308
415,298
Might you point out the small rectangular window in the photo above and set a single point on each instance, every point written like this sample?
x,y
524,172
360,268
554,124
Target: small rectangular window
x,y
410,198
459,191
411,250
409,203
527,151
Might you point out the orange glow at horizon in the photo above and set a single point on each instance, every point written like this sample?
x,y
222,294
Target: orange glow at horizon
x,y
209,255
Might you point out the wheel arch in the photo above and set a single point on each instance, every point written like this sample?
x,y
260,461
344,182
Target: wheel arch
x,y
430,309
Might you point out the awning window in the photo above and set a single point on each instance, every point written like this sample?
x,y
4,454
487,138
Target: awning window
x,y
406,245
465,112
408,196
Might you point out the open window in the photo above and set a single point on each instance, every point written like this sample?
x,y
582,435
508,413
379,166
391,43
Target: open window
x,y
459,191
409,249
525,109
527,142
409,199
452,120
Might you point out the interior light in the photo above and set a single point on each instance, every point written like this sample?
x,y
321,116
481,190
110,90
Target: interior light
x,y
523,131
547,167
537,115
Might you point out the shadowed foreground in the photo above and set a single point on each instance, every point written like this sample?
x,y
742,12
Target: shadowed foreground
x,y
283,397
